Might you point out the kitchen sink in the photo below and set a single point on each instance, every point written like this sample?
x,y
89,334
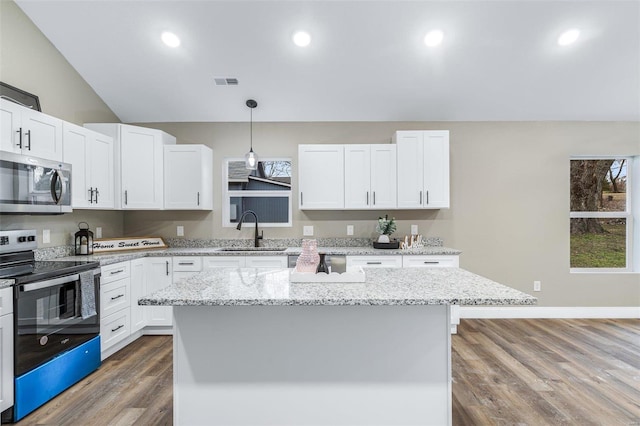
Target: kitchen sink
x,y
253,249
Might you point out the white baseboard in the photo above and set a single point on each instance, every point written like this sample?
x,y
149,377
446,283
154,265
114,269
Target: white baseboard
x,y
489,312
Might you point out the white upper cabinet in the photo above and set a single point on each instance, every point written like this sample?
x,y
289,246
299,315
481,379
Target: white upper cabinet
x,y
321,177
370,176
23,130
188,177
91,155
423,169
139,153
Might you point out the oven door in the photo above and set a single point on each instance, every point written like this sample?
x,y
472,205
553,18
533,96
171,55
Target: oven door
x,y
49,319
34,185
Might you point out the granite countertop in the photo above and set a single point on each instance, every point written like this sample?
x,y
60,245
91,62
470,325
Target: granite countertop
x,y
5,283
383,286
110,258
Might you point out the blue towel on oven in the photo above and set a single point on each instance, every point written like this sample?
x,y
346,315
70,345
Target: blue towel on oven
x,y
87,295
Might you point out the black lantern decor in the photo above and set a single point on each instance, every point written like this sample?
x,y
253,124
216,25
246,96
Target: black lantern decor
x,y
84,240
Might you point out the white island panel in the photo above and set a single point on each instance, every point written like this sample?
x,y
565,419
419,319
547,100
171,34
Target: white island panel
x,y
312,365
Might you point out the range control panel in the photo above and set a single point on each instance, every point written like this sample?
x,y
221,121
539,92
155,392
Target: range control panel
x,y
20,240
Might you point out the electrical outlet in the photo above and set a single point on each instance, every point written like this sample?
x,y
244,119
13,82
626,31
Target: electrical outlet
x,y
349,229
414,229
46,236
536,286
307,231
180,231
98,231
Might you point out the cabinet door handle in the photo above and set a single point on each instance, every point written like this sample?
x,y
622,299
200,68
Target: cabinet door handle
x,y
97,192
126,199
427,197
167,263
185,263
367,197
198,197
29,140
374,198
117,297
431,263
91,195
19,137
420,197
117,328
301,199
374,263
116,272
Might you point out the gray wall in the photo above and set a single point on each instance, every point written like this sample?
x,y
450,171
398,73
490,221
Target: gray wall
x,y
509,181
29,61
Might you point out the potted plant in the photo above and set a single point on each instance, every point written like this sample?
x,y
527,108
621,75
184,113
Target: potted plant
x,y
385,227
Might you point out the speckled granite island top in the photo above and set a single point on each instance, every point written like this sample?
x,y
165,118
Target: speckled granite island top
x,y
383,286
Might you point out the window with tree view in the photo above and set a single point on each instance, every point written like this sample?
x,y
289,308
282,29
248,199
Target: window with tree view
x,y
265,191
600,214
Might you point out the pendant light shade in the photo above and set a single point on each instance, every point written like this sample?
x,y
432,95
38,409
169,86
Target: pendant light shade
x,y
251,159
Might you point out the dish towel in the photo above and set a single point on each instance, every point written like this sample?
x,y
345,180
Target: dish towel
x,y
87,295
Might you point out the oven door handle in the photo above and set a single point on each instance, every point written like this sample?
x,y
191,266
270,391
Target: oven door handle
x,y
51,283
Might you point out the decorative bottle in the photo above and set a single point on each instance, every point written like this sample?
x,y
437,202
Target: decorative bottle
x,y
309,258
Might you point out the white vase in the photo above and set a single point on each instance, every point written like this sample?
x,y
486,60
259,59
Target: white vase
x,y
383,238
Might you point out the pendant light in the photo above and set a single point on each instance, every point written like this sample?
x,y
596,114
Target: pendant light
x,y
251,159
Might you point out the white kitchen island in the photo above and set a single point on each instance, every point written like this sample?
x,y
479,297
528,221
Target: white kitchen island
x,y
251,348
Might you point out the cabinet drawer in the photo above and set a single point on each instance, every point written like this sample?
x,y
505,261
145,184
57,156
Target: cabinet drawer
x,y
436,261
223,262
6,301
266,262
114,296
187,264
375,261
115,272
114,328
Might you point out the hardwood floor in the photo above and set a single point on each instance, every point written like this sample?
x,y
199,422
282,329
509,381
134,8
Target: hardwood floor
x,y
505,372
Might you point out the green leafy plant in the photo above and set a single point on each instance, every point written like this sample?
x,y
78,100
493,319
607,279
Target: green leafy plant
x,y
386,226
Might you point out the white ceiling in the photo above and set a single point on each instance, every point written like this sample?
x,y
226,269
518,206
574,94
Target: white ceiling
x,y
366,62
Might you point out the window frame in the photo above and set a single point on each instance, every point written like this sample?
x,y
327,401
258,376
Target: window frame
x,y
632,239
227,194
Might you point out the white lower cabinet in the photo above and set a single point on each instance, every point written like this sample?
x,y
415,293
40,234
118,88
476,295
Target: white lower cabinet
x,y
210,262
6,348
275,262
115,302
386,261
138,290
434,261
157,275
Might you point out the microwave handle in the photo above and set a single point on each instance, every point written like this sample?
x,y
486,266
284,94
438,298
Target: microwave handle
x,y
57,176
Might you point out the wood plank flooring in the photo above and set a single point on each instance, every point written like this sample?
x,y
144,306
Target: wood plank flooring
x,y
505,372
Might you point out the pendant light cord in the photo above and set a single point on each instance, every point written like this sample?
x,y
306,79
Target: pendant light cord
x,y
251,129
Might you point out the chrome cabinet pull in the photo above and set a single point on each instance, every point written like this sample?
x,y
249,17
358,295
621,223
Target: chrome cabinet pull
x,y
116,272
198,197
374,263
117,328
91,195
431,263
167,263
19,137
301,199
185,263
427,197
97,192
126,199
374,198
29,139
420,197
117,297
367,197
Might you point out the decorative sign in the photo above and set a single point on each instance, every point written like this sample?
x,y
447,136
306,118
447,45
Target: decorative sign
x,y
119,244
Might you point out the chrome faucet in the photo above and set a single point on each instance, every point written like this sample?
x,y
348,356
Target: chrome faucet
x,y
257,237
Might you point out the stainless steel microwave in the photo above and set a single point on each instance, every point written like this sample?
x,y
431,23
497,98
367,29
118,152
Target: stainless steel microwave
x,y
31,185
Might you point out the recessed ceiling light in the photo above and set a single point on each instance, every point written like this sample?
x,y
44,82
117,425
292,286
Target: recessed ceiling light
x,y
433,38
302,38
170,39
568,37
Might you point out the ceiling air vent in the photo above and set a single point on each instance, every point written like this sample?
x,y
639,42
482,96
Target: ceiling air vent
x,y
225,81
